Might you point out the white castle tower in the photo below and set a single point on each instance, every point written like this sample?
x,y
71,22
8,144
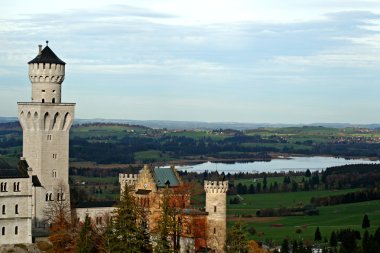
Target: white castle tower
x,y
46,123
216,205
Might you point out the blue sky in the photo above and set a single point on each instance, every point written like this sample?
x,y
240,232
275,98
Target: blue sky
x,y
292,61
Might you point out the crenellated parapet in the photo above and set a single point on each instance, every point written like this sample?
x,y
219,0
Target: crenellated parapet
x,y
215,186
129,179
46,73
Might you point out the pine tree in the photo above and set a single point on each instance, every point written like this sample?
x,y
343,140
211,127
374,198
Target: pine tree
x,y
236,239
125,233
333,239
365,222
366,242
85,241
285,246
317,235
165,223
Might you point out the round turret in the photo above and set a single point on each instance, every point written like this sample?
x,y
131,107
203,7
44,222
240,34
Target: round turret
x,y
46,72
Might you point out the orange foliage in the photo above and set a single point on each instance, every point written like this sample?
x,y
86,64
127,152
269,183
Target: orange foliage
x,y
254,247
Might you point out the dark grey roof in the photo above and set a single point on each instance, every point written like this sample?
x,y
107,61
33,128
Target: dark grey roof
x,y
165,176
47,56
36,182
96,204
7,171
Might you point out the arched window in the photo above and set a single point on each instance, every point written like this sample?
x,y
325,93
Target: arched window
x,y
214,230
47,197
16,230
214,209
51,196
1,187
18,186
62,196
5,187
3,209
58,195
3,231
16,209
14,187
53,100
43,100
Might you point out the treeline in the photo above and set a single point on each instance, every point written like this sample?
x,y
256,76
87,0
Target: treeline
x,y
284,211
352,197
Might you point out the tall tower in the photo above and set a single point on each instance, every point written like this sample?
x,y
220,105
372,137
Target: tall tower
x,y
216,205
46,123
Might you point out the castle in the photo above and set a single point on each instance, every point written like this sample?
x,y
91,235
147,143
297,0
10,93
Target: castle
x,y
42,175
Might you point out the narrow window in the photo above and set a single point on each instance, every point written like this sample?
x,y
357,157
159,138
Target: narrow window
x,y
16,209
16,230
1,187
47,197
53,100
43,100
51,196
14,187
58,195
49,137
62,196
18,186
3,231
214,209
3,209
43,90
5,187
214,230
54,156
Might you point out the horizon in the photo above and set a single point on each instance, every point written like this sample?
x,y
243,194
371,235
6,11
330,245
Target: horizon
x,y
218,61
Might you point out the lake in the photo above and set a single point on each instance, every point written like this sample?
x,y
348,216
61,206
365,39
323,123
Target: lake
x,y
289,164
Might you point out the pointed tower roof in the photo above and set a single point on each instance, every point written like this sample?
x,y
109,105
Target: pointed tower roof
x,y
46,55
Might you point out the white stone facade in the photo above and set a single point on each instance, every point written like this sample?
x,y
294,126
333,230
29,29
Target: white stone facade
x,y
16,210
46,123
99,215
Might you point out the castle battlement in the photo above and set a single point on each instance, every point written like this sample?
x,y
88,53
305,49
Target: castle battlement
x,y
129,179
215,186
46,72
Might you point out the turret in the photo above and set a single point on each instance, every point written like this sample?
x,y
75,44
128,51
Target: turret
x,y
46,72
216,206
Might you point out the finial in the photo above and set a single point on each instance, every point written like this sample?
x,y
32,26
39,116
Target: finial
x,y
47,42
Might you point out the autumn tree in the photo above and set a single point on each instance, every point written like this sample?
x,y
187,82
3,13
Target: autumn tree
x,y
62,225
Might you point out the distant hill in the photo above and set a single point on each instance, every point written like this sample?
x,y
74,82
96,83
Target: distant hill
x,y
187,125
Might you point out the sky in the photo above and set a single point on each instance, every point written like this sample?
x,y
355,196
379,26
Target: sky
x,y
256,61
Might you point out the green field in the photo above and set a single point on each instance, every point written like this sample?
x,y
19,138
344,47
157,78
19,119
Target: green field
x,y
330,217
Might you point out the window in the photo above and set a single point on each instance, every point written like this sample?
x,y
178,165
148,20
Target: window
x,y
54,156
2,187
43,90
3,231
3,209
214,209
53,100
54,173
214,230
5,187
16,230
47,197
16,209
43,100
16,186
51,196
49,137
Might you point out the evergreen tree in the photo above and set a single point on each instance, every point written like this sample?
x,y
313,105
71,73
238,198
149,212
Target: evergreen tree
x,y
308,173
85,241
163,244
333,239
236,239
265,183
125,233
365,222
317,235
285,246
366,242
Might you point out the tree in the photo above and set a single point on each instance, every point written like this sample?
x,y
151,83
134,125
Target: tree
x,y
126,233
308,173
366,242
62,228
85,241
236,239
317,235
285,246
165,223
333,239
365,222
